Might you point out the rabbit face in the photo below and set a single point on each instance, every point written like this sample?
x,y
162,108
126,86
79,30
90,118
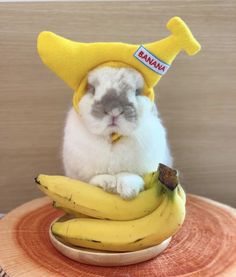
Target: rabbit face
x,y
111,102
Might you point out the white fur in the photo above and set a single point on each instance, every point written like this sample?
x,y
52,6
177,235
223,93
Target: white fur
x,y
88,153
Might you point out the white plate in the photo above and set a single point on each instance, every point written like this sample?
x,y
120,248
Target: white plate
x,y
106,258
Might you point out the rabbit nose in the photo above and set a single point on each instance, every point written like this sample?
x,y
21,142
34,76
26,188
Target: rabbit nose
x,y
115,112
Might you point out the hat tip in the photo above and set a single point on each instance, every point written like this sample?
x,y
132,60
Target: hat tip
x,y
41,39
184,36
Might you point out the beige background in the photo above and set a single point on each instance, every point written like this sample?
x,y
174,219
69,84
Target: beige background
x,y
196,99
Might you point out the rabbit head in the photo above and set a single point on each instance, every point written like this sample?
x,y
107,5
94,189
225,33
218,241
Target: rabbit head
x,y
112,102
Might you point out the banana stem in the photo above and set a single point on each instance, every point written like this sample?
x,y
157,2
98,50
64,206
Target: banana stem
x,y
168,176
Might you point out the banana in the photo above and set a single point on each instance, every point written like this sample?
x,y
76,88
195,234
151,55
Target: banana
x,y
130,235
148,183
82,198
150,179
182,193
68,211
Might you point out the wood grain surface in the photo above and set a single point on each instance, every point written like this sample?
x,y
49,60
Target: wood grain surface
x,y
204,246
196,99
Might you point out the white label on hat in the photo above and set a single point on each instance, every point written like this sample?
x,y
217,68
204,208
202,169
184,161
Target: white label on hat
x,y
151,61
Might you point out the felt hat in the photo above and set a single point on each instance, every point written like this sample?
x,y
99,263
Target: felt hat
x,y
72,61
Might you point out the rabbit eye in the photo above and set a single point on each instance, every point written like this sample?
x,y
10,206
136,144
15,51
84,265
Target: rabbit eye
x,y
138,91
91,89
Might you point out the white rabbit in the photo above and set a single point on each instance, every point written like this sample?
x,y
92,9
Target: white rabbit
x,y
114,103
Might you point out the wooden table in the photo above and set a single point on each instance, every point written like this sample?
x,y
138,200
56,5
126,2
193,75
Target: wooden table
x,y
205,246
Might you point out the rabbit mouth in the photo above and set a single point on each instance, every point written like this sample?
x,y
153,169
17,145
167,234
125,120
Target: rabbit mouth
x,y
113,121
113,124
113,127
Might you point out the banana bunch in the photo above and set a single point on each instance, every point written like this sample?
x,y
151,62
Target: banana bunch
x,y
76,197
105,221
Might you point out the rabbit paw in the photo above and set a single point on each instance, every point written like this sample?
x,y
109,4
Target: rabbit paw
x,y
105,181
129,185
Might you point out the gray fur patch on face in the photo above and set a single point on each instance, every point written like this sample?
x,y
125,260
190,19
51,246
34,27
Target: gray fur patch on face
x,y
113,100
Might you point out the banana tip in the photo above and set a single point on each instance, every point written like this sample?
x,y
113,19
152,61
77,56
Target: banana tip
x,y
168,176
36,180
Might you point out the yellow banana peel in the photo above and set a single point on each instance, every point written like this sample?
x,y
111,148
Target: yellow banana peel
x,y
83,198
129,235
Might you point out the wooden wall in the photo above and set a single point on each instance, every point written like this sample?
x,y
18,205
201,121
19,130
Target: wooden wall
x,y
196,99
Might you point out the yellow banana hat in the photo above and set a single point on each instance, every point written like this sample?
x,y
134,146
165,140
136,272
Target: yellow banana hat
x,y
71,61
